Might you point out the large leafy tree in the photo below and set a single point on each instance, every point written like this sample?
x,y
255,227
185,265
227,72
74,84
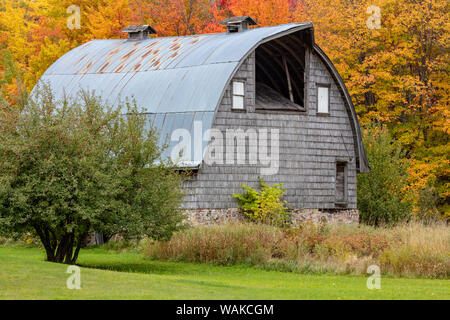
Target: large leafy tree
x,y
73,167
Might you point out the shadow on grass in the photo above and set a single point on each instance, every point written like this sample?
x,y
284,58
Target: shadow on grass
x,y
162,268
150,267
132,262
137,263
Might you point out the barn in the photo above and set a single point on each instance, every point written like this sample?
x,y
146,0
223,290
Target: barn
x,y
234,106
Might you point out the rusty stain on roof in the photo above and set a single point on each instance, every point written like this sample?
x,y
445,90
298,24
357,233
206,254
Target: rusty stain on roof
x,y
128,55
79,60
122,65
87,67
112,52
136,67
104,67
145,55
178,80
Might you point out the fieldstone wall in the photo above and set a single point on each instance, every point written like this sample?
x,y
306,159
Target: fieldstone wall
x,y
213,216
218,216
349,216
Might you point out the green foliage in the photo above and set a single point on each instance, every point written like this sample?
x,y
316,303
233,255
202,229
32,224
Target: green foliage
x,y
426,210
382,193
264,206
11,84
72,167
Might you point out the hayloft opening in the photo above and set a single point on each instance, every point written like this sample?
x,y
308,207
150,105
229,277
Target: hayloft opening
x,y
280,73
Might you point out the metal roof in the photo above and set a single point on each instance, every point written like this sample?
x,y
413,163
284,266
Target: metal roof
x,y
168,122
177,80
173,74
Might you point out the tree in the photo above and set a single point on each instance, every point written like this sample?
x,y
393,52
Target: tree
x,y
382,193
179,17
73,167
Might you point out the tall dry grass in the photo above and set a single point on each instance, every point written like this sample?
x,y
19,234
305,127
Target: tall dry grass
x,y
406,250
220,244
421,250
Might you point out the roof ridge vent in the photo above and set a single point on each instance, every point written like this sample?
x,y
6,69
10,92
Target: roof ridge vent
x,y
238,24
139,32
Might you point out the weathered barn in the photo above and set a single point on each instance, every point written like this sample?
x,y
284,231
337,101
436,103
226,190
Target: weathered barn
x,y
268,99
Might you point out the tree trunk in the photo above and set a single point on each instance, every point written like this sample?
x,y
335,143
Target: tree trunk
x,y
61,251
49,248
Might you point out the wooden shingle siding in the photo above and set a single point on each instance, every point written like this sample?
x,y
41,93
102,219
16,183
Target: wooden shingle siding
x,y
309,148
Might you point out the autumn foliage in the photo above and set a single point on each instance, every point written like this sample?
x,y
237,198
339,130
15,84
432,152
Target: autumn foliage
x,y
394,61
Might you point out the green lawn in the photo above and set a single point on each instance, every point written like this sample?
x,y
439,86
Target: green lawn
x,y
25,275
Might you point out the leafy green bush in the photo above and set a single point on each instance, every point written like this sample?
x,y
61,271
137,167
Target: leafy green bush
x,y
264,206
426,209
382,198
72,167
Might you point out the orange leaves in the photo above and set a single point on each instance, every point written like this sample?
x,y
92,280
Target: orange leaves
x,y
106,19
266,13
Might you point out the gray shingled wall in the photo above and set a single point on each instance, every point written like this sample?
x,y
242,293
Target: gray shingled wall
x,y
309,147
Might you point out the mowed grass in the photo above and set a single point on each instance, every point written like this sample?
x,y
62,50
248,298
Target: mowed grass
x,y
24,274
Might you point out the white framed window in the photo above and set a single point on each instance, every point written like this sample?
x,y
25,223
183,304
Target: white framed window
x,y
323,98
238,94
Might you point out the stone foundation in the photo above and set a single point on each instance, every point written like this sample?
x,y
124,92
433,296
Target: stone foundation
x,y
338,216
219,216
213,216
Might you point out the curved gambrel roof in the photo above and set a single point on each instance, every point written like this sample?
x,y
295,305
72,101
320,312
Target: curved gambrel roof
x,y
176,79
173,74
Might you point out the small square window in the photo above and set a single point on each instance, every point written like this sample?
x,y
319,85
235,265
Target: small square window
x,y
238,94
323,99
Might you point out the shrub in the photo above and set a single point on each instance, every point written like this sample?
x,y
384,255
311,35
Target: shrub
x,y
426,210
264,206
381,194
72,167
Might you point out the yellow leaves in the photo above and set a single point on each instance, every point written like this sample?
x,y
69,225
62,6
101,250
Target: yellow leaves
x,y
49,53
115,15
16,23
426,171
420,173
